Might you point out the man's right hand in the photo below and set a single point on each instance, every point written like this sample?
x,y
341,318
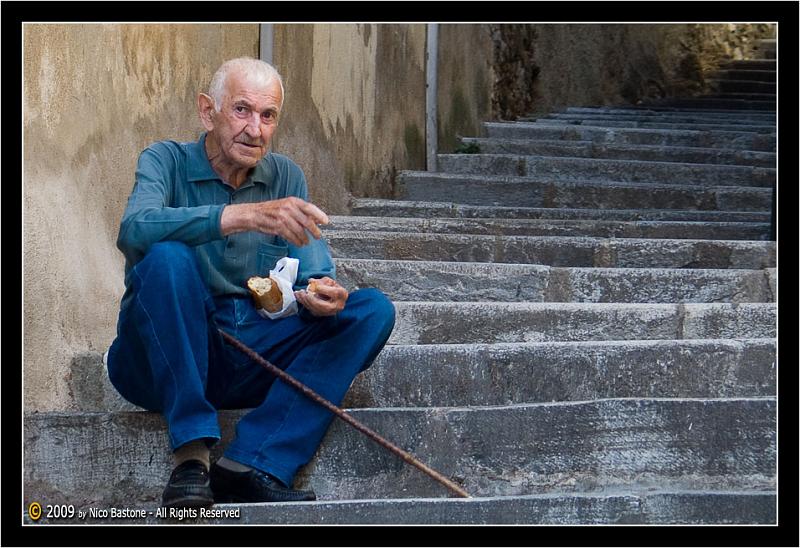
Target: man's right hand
x,y
288,218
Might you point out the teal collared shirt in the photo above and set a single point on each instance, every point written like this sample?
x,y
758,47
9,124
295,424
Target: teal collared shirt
x,y
178,196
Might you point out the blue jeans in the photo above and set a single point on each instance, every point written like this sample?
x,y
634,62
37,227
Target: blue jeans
x,y
168,357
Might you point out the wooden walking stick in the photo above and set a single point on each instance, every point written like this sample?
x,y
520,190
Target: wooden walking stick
x,y
306,391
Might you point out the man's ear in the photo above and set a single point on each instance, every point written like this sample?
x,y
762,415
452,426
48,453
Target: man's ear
x,y
206,109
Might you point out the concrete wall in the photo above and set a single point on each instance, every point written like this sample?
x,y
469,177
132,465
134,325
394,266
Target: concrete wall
x,y
355,106
466,74
94,97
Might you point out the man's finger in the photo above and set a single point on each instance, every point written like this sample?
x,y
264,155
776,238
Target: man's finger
x,y
294,232
314,216
315,304
306,222
313,229
317,215
330,289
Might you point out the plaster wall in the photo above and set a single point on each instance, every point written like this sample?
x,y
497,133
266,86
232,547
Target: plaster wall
x,y
355,106
466,77
94,96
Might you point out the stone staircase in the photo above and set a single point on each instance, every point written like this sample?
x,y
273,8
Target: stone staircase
x,y
586,333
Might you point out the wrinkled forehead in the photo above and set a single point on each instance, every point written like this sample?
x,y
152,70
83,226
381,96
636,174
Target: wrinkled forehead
x,y
243,83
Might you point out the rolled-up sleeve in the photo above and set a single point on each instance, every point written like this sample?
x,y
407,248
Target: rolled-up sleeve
x,y
149,216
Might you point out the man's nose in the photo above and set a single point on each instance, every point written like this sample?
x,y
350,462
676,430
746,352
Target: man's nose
x,y
253,127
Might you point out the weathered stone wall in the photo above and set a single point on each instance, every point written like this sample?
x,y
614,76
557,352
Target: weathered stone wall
x,y
464,83
355,106
540,68
94,97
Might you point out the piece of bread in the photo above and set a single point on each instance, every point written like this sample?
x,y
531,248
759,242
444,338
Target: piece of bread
x,y
266,293
312,286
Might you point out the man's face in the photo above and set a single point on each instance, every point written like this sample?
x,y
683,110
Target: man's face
x,y
248,117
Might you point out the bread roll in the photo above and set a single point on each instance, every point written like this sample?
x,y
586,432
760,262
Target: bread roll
x,y
312,286
266,293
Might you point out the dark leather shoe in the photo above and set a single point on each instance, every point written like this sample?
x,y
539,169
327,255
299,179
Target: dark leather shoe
x,y
189,486
252,486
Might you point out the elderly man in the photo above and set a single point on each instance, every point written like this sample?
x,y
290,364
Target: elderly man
x,y
202,218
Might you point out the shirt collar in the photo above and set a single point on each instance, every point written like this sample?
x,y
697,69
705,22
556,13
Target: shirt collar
x,y
199,168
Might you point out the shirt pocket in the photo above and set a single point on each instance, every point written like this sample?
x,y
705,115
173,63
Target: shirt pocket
x,y
267,255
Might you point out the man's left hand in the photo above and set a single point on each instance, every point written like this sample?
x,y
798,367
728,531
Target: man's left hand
x,y
328,299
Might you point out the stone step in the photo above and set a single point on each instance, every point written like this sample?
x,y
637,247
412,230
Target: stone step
x,y
448,375
756,75
536,192
650,507
742,86
553,250
666,113
657,110
633,136
460,281
700,102
604,446
552,227
744,96
767,49
671,118
750,64
399,208
453,375
693,126
605,170
588,149
492,322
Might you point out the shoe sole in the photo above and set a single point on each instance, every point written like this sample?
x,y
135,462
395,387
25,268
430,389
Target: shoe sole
x,y
227,498
189,502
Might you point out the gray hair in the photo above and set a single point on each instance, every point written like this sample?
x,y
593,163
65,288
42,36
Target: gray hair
x,y
257,71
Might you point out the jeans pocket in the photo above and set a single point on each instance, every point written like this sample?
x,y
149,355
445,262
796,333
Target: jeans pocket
x,y
268,255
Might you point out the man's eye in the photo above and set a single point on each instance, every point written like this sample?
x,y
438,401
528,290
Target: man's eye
x,y
240,109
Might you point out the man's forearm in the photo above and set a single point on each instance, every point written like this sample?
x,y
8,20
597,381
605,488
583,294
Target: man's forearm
x,y
236,218
291,218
